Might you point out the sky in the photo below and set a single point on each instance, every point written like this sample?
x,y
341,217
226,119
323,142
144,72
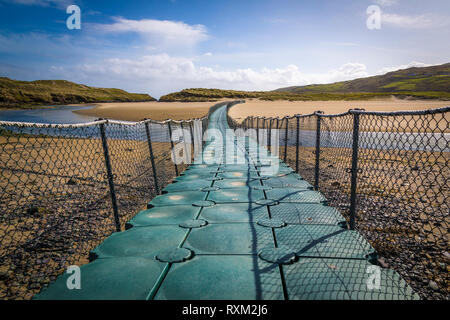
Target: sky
x,y
158,47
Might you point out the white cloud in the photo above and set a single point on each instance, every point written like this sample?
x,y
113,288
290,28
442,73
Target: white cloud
x,y
161,32
352,70
161,73
424,21
403,66
386,3
164,67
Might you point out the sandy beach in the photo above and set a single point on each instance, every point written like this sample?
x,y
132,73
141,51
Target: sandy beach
x,y
283,108
135,111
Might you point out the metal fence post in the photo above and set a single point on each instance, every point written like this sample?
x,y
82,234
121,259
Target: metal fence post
x,y
278,128
109,173
264,129
251,132
191,124
286,139
354,170
269,136
172,147
257,130
317,165
297,144
184,142
152,158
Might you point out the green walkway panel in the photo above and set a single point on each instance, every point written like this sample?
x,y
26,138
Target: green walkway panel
x,y
229,238
235,195
193,185
307,213
342,279
177,198
237,183
234,212
126,278
164,216
222,277
296,195
232,231
207,176
324,241
135,241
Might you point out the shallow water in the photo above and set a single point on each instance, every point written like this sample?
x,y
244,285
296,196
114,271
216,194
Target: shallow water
x,y
370,140
50,114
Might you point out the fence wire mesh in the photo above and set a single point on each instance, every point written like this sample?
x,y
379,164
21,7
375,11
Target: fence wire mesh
x,y
397,165
65,188
56,186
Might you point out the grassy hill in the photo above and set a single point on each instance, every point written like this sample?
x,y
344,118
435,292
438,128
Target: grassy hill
x,y
421,83
435,78
27,94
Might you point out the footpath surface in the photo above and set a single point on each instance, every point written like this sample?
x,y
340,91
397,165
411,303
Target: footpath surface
x,y
229,230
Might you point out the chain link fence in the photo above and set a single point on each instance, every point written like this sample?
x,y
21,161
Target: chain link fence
x,y
387,172
65,188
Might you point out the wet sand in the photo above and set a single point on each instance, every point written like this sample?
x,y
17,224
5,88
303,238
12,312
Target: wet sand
x,y
135,111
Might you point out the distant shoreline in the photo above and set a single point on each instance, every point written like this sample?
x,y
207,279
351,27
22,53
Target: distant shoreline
x,y
135,111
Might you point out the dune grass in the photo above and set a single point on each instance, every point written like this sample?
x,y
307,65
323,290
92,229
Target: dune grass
x,y
29,94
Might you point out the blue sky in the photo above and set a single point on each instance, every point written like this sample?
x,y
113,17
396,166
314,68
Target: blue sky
x,y
159,47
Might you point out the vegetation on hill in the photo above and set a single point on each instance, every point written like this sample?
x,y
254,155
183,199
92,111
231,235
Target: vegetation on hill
x,y
27,94
200,94
420,83
424,79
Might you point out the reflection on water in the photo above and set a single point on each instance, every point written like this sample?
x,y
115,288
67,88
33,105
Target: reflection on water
x,y
53,114
438,142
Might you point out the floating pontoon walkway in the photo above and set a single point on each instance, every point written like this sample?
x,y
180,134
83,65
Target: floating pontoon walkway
x,y
227,231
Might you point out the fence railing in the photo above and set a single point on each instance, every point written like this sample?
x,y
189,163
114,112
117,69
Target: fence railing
x,y
65,188
388,174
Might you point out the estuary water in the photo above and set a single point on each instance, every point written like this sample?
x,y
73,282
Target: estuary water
x,y
47,114
369,140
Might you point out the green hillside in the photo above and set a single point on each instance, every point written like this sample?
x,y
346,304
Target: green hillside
x,y
27,94
420,83
201,94
435,78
